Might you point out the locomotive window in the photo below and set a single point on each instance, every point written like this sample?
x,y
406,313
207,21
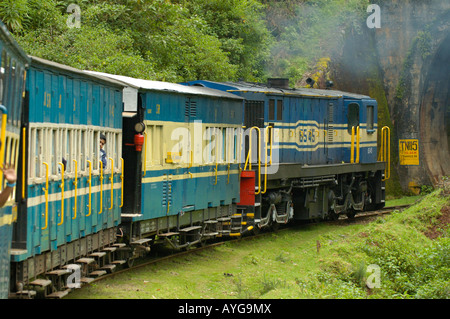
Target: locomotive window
x,y
279,110
353,116
271,110
234,144
370,118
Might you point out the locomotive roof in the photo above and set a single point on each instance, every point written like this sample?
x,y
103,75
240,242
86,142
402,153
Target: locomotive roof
x,y
169,87
245,87
39,62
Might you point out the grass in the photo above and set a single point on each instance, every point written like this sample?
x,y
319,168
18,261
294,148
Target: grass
x,y
309,261
405,200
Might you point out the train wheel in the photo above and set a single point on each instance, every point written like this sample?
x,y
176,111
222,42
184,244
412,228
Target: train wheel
x,y
130,262
333,216
274,226
256,230
203,241
351,213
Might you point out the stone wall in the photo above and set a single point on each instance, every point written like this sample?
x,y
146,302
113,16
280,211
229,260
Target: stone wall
x,y
404,64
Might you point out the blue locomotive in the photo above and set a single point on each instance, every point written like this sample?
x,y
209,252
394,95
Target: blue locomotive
x,y
325,146
13,63
110,166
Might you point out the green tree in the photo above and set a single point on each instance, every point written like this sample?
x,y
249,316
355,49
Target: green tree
x,y
152,39
13,13
241,29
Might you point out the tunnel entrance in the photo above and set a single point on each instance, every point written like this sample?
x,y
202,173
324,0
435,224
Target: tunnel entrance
x,y
435,114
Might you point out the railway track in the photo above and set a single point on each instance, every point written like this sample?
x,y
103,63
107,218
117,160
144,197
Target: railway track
x,y
360,217
167,254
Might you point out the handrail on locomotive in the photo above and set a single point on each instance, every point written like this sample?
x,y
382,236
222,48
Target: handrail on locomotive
x,y
385,151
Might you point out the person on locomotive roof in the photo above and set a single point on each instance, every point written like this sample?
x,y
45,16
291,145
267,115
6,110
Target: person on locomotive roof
x,y
102,151
9,173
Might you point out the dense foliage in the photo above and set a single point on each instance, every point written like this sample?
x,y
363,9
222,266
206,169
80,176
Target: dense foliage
x,y
179,40
153,39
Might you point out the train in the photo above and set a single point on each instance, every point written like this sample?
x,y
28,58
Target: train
x,y
110,167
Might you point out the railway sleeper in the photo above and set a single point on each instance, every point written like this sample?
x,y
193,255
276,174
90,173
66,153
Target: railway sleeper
x,y
141,244
53,288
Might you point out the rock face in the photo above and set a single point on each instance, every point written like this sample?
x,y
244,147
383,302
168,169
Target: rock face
x,y
405,64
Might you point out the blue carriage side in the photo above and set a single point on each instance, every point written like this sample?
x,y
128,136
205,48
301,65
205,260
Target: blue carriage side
x,y
13,64
188,169
72,202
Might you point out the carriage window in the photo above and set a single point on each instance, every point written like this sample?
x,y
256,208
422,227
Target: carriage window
x,y
271,110
14,96
96,151
218,145
2,75
353,116
5,74
224,146
84,149
370,118
231,145
213,149
279,110
154,144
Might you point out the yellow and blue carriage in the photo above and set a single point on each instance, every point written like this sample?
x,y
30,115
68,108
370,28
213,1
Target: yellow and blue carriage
x,y
13,64
71,203
182,186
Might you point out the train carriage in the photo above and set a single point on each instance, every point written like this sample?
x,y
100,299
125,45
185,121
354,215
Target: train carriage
x,y
186,170
325,146
71,203
13,64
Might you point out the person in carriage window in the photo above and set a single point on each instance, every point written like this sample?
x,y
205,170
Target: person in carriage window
x,y
9,173
102,151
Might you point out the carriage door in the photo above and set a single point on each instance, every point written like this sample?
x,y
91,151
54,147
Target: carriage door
x,y
189,185
353,120
133,115
254,116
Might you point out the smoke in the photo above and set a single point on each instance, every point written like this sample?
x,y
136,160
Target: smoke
x,y
306,31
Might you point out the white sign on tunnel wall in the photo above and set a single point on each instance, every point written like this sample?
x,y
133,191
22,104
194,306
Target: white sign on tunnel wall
x,y
409,151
